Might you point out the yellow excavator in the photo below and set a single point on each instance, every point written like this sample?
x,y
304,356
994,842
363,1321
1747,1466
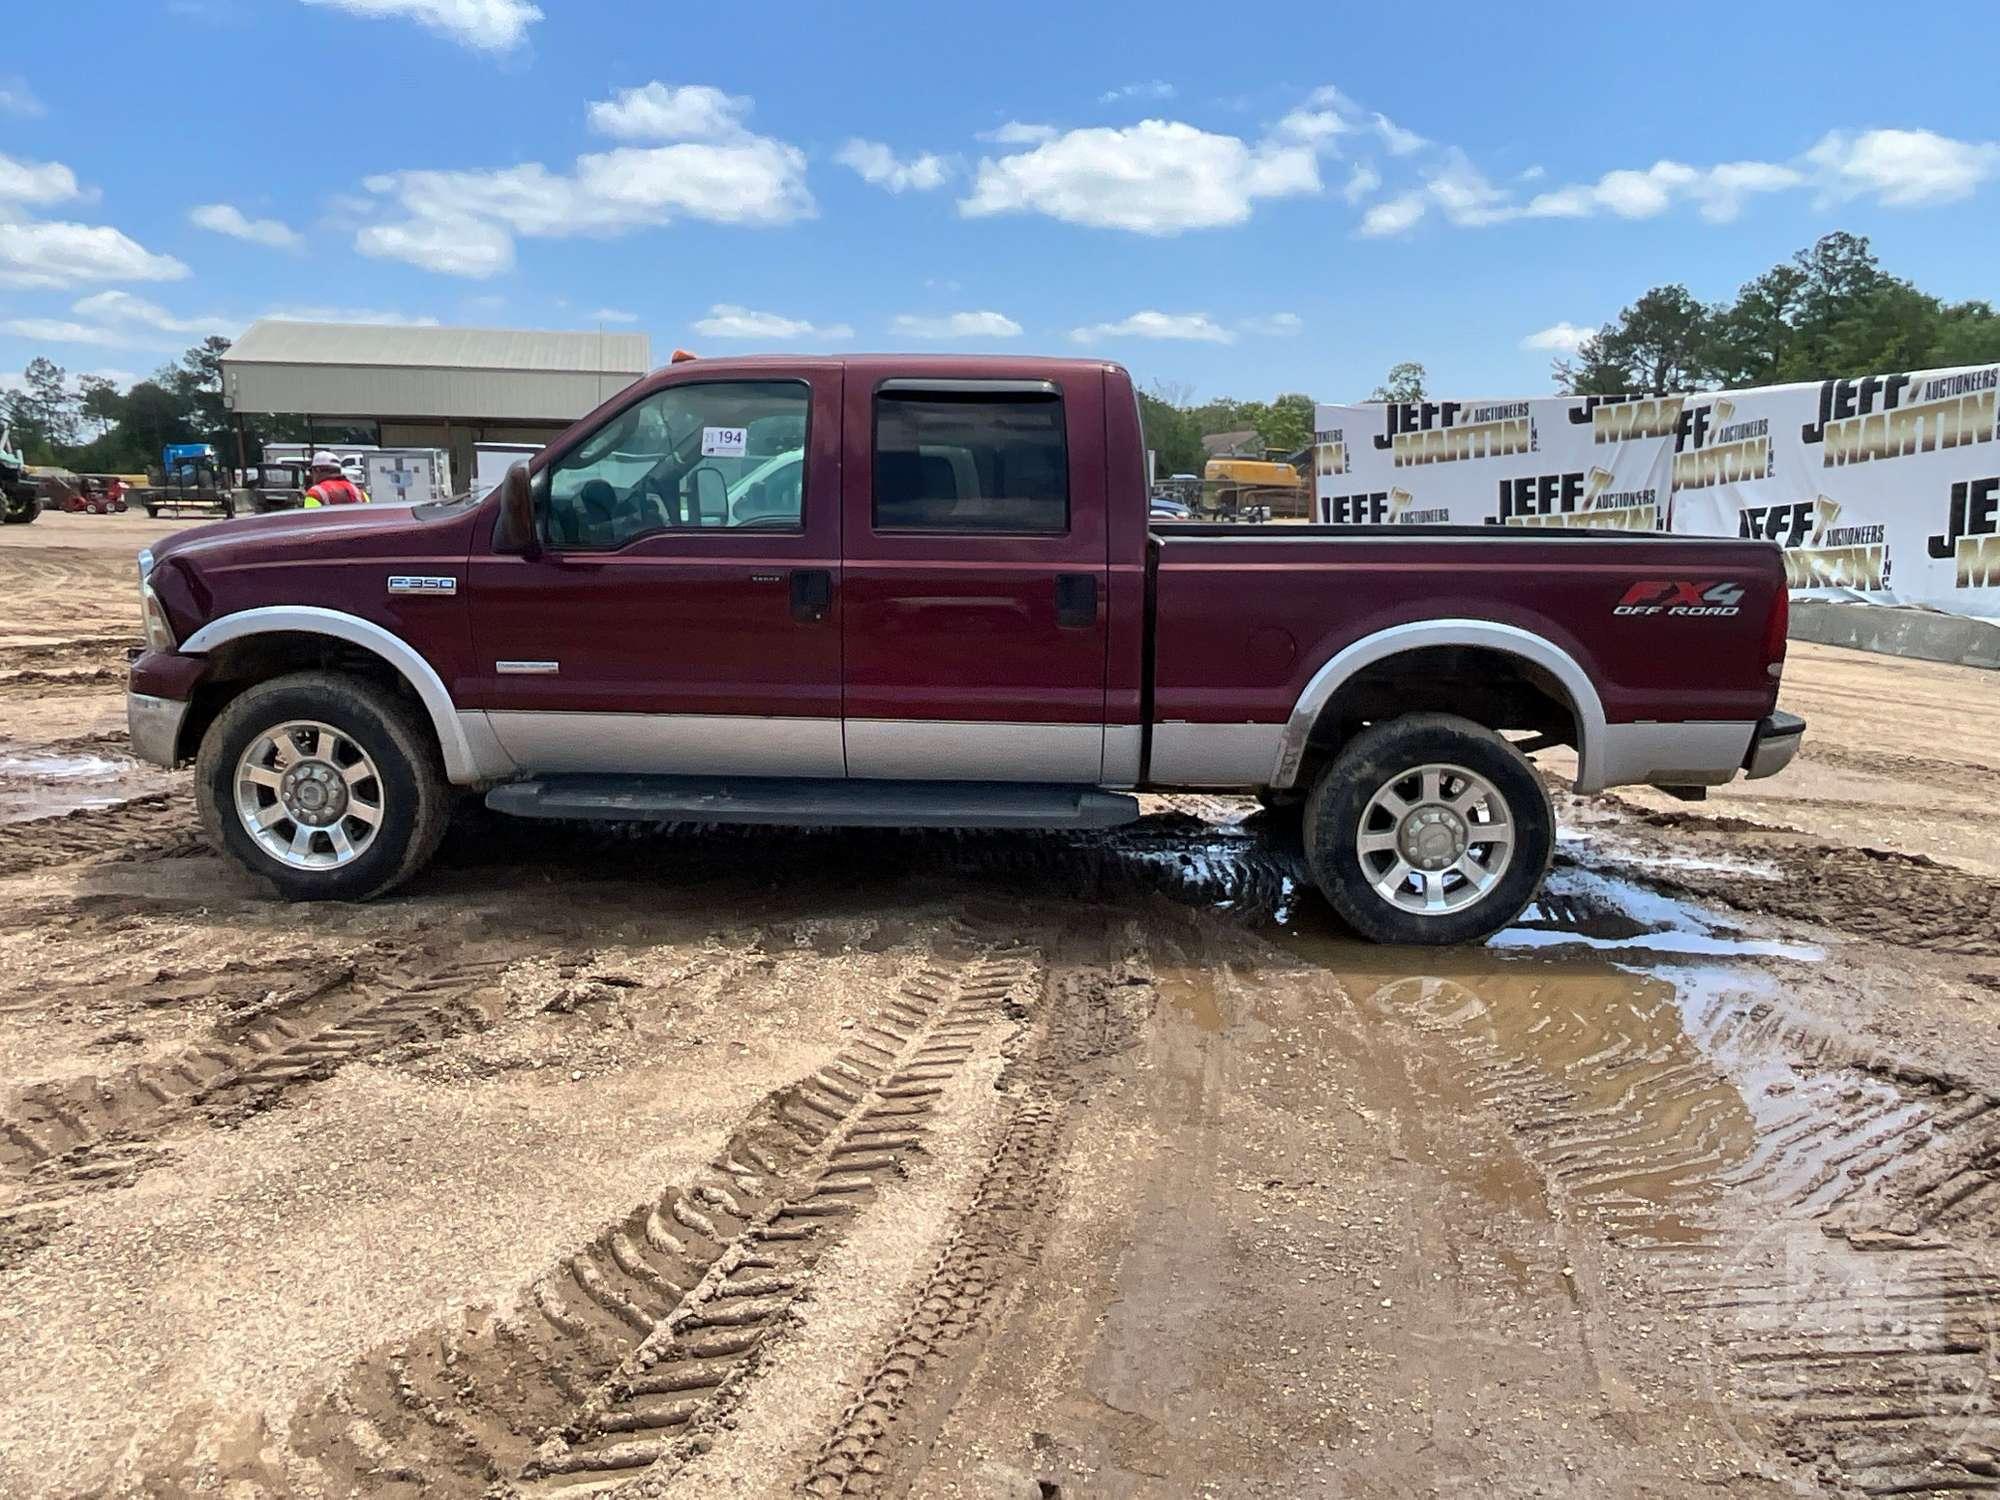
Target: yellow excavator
x,y
1250,489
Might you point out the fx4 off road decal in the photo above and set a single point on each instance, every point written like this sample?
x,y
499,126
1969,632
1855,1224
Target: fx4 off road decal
x,y
1673,597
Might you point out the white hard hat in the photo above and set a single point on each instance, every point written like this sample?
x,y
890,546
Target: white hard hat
x,y
325,460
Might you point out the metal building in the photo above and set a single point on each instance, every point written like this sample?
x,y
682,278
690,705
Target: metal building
x,y
430,387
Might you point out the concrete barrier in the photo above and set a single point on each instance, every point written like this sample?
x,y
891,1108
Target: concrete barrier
x,y
1894,631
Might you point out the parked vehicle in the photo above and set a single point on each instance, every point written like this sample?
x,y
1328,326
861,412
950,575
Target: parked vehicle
x,y
20,496
1245,489
96,495
273,485
922,592
190,480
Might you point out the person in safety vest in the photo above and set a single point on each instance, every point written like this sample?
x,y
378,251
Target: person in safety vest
x,y
330,486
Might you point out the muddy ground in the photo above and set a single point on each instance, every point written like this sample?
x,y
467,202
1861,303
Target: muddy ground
x,y
686,1164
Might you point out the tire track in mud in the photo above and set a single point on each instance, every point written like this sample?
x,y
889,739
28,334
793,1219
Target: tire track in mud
x,y
887,1430
1859,1325
100,1131
628,1354
142,830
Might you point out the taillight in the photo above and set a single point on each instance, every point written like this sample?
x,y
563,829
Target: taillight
x,y
1775,630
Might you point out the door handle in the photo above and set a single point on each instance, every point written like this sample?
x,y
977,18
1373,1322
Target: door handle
x,y
1076,600
812,594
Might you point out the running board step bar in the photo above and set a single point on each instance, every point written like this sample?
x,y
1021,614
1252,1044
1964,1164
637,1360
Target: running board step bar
x,y
822,803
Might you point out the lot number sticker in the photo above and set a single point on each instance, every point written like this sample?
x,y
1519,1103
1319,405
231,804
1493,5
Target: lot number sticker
x,y
723,442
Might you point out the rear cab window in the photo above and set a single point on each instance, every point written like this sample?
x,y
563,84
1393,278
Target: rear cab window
x,y
984,462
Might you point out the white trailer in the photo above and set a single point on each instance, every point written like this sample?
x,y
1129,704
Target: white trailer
x,y
407,476
491,461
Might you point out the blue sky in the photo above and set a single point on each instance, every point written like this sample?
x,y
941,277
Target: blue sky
x,y
1240,202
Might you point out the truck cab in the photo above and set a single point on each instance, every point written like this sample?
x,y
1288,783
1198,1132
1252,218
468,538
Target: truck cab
x,y
927,591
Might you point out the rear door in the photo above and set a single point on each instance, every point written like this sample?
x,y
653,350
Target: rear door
x,y
974,579
683,614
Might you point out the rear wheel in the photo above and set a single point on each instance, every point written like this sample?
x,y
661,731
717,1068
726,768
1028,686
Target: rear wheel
x,y
22,513
328,787
1429,829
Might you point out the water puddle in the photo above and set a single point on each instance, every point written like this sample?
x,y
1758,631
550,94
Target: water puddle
x,y
46,782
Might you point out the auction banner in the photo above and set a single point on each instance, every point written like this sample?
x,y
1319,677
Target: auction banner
x,y
1884,489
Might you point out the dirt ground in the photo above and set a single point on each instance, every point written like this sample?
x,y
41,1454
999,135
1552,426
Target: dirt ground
x,y
689,1164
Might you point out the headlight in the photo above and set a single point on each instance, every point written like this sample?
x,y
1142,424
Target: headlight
x,y
159,634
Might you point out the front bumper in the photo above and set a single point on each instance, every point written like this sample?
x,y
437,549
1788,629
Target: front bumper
x,y
1774,744
155,725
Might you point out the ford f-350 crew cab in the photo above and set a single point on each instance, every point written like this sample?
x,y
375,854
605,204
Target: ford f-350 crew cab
x,y
925,591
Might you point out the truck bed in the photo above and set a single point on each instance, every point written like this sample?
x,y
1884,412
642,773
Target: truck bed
x,y
1245,616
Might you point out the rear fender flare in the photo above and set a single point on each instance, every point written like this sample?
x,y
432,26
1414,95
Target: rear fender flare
x,y
1511,639
460,763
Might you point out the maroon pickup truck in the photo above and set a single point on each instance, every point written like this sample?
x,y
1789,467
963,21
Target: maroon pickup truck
x,y
924,591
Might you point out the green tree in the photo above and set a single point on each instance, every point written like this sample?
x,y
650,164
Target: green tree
x,y
1286,425
1170,431
1405,382
1663,342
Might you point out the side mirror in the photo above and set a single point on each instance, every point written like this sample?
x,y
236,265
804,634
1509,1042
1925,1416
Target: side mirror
x,y
515,531
711,497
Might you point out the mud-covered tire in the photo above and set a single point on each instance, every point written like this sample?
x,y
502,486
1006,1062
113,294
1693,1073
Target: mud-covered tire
x,y
22,514
415,797
1373,760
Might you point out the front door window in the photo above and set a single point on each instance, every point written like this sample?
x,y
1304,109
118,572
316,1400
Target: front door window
x,y
720,455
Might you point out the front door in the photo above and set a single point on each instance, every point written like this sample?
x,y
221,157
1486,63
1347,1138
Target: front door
x,y
683,614
975,569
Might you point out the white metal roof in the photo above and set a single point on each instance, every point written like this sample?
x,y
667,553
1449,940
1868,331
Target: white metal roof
x,y
274,341
373,370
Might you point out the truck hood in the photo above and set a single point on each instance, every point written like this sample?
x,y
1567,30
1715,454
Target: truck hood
x,y
283,531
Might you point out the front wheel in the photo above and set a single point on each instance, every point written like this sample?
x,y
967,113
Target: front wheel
x,y
329,787
1429,829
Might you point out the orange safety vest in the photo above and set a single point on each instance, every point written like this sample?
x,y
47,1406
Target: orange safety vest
x,y
335,492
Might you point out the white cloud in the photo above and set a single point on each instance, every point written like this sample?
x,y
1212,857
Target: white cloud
x,y
39,182
1016,133
16,98
226,218
1282,325
1563,338
1157,325
958,325
375,316
726,320
1394,215
46,253
123,307
1156,177
1395,138
1328,113
1362,181
462,246
64,331
1159,88
1719,191
665,112
120,320
880,166
1465,196
488,25
463,223
612,315
1902,167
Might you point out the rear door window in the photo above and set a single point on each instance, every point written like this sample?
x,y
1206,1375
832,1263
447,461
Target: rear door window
x,y
981,463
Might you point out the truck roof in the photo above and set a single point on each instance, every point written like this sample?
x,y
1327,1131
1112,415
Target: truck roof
x,y
963,366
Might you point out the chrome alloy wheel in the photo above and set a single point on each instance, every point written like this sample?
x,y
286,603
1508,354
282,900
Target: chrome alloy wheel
x,y
1435,839
309,795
